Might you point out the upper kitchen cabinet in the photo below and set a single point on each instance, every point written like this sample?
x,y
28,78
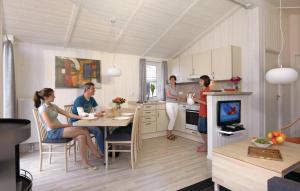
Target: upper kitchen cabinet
x,y
173,67
226,62
202,64
186,67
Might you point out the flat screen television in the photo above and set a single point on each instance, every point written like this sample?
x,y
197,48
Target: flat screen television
x,y
228,112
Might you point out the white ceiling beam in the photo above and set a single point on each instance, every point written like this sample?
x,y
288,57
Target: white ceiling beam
x,y
244,3
171,26
124,30
72,22
2,19
210,28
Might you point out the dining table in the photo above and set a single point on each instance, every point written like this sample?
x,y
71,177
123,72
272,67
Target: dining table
x,y
120,118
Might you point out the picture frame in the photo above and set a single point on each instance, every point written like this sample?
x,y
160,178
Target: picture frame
x,y
75,72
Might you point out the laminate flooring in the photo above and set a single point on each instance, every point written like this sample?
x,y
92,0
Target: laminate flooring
x,y
162,165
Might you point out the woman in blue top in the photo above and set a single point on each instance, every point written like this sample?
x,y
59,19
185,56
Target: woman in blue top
x,y
56,130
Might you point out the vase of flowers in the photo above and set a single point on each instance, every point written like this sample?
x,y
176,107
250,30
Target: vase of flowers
x,y
236,81
118,101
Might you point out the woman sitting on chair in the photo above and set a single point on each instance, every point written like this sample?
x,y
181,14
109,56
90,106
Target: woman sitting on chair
x,y
56,130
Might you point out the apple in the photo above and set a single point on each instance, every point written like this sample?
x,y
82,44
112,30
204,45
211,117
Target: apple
x,y
274,140
279,140
276,134
282,135
270,135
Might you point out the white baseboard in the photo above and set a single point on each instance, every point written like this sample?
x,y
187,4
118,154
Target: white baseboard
x,y
155,134
188,136
178,133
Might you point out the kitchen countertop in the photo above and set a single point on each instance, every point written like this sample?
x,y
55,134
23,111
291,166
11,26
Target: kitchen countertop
x,y
226,93
164,102
154,102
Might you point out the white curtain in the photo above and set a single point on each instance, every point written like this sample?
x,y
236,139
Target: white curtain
x,y
9,87
165,77
142,77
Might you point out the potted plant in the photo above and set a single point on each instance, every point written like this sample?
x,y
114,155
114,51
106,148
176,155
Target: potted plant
x,y
152,88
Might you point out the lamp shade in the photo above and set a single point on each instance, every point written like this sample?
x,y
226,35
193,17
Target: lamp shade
x,y
114,72
282,75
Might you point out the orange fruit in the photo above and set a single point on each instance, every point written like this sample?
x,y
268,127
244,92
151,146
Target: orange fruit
x,y
274,140
279,140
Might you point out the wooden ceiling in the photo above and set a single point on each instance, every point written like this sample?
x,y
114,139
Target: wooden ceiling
x,y
152,28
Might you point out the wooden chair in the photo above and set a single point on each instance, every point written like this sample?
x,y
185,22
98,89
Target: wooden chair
x,y
139,141
42,134
291,139
124,139
68,108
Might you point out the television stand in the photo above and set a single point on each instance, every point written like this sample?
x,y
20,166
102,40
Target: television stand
x,y
231,129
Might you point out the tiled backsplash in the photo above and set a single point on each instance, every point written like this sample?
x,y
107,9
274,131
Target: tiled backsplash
x,y
186,88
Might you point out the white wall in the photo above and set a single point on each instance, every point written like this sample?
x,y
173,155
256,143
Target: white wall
x,y
1,59
291,47
294,42
240,29
35,69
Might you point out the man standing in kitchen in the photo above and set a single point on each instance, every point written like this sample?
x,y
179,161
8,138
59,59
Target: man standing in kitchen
x,y
85,105
204,83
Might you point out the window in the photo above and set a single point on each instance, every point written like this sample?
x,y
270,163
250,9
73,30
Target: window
x,y
154,81
151,80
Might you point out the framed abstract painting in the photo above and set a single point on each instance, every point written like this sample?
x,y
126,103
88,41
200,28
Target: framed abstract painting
x,y
75,72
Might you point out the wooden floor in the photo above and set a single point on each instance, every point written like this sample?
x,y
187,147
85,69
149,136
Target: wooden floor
x,y
162,165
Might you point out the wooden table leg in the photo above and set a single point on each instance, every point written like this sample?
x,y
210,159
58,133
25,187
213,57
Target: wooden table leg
x,y
105,135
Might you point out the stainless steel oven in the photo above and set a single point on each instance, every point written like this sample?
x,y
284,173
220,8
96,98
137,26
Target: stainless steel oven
x,y
191,117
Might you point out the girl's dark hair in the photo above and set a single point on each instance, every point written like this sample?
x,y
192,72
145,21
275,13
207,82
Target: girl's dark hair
x,y
173,76
40,95
206,80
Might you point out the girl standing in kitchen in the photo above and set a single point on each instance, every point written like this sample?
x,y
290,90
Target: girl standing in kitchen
x,y
204,83
172,99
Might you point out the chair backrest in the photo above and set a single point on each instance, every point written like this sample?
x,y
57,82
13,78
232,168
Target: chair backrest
x,y
42,132
135,123
68,108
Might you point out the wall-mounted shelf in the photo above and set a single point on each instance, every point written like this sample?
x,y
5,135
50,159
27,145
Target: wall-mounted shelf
x,y
228,133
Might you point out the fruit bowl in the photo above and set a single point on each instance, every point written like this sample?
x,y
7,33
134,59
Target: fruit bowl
x,y
261,142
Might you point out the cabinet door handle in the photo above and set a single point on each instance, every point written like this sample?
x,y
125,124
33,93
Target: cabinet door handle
x,y
147,123
157,114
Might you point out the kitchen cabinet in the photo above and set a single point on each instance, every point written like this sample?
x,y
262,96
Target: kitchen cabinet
x,y
154,118
148,119
226,62
219,63
202,63
173,67
186,67
180,120
161,120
